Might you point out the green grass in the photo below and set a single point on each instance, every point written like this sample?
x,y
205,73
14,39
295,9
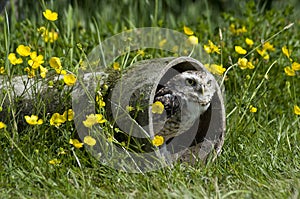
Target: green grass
x,y
261,154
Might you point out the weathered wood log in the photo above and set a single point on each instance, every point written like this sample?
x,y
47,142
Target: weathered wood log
x,y
36,96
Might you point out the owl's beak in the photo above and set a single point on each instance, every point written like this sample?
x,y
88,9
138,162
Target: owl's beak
x,y
201,89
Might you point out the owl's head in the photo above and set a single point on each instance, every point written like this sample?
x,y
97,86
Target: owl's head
x,y
197,86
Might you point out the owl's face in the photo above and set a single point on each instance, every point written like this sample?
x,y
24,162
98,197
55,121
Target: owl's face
x,y
195,86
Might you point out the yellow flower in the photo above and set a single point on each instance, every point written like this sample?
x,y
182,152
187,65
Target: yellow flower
x,y
295,66
93,119
89,140
158,107
54,161
141,52
100,101
33,120
30,72
286,51
55,63
232,28
250,65
2,70
61,151
252,109
263,53
14,60
158,140
187,30
240,50
23,50
57,119
35,60
2,125
129,108
69,79
211,48
296,110
289,71
42,30
238,30
49,15
116,66
268,46
215,69
162,43
249,42
43,71
242,62
193,40
241,30
76,143
50,36
69,115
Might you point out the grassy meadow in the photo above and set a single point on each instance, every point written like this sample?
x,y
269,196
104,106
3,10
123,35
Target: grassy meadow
x,y
256,52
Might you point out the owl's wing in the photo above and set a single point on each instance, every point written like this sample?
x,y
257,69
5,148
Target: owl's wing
x,y
170,101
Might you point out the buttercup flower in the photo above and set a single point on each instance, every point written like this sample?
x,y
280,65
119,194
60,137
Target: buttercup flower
x,y
215,69
89,140
35,60
141,52
129,108
240,50
193,40
237,31
289,71
250,65
158,140
187,30
76,143
211,48
55,63
263,53
33,120
297,110
242,62
57,119
99,100
69,79
268,46
249,42
13,59
295,66
50,36
69,115
30,72
158,107
252,109
93,119
43,71
23,50
116,66
2,70
54,161
286,52
2,125
42,30
49,15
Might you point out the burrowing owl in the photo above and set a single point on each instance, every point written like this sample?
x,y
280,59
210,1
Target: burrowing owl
x,y
185,97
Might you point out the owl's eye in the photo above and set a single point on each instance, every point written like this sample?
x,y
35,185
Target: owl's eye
x,y
190,82
209,83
